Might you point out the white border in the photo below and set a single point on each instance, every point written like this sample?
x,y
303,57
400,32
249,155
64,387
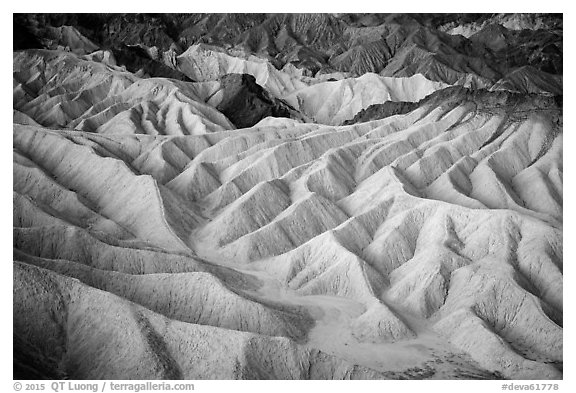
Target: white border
x,y
568,384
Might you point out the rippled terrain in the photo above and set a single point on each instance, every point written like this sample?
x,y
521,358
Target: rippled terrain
x,y
233,219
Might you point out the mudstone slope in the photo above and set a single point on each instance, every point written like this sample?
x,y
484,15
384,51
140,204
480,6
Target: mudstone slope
x,y
239,216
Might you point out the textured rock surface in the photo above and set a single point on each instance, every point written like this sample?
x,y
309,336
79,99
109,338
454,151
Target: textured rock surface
x,y
245,102
470,49
388,228
382,111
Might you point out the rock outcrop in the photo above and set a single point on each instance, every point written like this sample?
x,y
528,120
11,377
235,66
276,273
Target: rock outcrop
x,y
245,102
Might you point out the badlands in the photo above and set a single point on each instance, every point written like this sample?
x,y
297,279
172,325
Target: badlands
x,y
317,196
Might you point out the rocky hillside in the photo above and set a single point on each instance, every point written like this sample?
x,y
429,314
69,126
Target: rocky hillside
x,y
287,196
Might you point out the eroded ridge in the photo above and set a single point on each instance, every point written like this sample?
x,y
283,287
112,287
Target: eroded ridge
x,y
152,235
